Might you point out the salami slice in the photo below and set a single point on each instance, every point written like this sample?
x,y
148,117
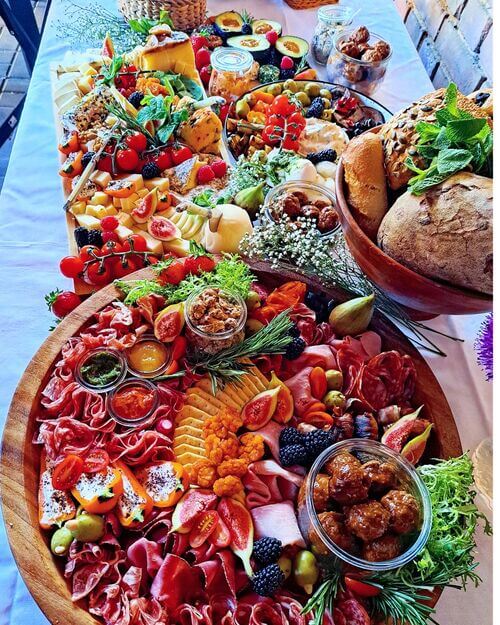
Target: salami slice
x,y
353,612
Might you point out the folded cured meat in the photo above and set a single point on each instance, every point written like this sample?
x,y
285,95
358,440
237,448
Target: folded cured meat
x,y
278,520
266,482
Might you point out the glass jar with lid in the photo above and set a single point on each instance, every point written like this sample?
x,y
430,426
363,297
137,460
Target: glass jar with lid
x,y
234,72
331,21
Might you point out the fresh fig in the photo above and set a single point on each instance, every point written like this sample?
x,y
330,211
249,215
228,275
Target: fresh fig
x,y
163,229
251,199
108,48
414,448
395,436
284,407
252,326
352,317
239,522
204,526
196,500
334,399
259,410
146,207
169,322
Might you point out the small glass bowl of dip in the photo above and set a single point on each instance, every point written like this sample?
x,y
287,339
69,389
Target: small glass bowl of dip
x,y
148,357
101,369
202,339
132,402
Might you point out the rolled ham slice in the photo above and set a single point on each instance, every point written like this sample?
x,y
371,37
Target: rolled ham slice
x,y
278,520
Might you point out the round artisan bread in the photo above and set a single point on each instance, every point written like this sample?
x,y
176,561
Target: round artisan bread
x,y
446,233
365,179
487,104
399,136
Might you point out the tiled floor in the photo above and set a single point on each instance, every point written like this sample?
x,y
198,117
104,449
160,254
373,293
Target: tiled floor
x,y
14,78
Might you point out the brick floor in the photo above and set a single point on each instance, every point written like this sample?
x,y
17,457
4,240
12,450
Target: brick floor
x,y
14,79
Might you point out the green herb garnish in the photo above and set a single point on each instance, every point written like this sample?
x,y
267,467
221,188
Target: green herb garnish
x,y
101,369
159,109
144,25
455,142
109,72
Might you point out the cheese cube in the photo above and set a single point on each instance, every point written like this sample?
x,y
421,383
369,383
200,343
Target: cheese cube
x,y
78,208
125,219
123,232
88,221
162,184
111,210
142,192
136,180
96,210
177,246
117,202
128,203
86,84
154,245
99,197
102,178
138,226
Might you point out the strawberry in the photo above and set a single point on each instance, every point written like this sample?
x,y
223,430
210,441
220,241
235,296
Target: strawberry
x,y
173,274
219,168
205,74
198,42
202,58
205,174
272,37
224,112
199,264
286,63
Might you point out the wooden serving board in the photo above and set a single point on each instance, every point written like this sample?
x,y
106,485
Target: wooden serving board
x,y
19,468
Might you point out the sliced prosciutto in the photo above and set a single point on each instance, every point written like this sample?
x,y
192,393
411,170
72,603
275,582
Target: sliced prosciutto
x,y
278,520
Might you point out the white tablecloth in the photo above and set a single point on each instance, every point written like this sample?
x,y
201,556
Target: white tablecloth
x,y
33,239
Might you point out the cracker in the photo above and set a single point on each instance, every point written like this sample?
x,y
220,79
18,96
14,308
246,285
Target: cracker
x,y
222,396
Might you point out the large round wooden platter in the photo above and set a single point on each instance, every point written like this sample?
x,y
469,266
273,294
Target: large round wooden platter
x,y
20,458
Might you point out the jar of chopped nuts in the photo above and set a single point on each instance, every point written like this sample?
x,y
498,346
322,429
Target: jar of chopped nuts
x,y
331,21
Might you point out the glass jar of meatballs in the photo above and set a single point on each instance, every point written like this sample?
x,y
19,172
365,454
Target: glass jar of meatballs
x,y
359,60
215,320
301,203
364,507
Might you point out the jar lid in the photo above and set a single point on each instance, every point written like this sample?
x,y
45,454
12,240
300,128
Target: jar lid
x,y
335,14
231,60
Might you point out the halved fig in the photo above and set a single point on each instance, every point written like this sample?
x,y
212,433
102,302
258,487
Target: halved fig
x,y
163,229
259,410
146,207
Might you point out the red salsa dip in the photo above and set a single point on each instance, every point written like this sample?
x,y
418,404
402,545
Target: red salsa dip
x,y
133,401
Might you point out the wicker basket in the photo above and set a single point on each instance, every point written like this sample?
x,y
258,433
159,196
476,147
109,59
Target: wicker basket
x,y
185,14
308,4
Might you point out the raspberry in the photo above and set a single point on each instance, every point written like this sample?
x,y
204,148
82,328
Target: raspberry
x,y
287,63
109,235
109,223
205,174
202,58
219,168
272,37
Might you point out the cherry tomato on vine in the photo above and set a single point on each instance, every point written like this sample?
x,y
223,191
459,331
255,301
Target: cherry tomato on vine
x,y
282,106
61,303
127,159
89,252
289,143
96,460
137,141
163,159
122,267
296,122
99,273
276,120
136,241
71,266
67,473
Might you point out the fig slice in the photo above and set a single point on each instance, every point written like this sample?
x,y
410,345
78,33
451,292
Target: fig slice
x,y
414,449
284,406
169,323
259,410
240,525
395,436
146,207
195,501
163,229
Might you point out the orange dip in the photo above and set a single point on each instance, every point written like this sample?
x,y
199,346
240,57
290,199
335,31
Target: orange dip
x,y
132,402
147,356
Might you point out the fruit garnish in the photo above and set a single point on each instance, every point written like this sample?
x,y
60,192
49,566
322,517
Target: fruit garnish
x,y
286,62
205,174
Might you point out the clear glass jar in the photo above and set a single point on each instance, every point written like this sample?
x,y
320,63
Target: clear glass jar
x,y
234,72
91,359
212,342
138,413
363,76
331,21
408,479
148,357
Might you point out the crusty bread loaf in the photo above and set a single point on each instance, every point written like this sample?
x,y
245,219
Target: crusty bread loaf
x,y
445,234
399,136
487,104
366,183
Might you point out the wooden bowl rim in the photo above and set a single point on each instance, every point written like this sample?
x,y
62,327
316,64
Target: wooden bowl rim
x,y
29,545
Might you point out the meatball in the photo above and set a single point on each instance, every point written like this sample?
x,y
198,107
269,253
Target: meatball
x,y
383,48
367,521
334,526
301,197
381,475
327,219
289,205
350,48
320,493
360,35
382,549
373,55
348,483
404,511
309,210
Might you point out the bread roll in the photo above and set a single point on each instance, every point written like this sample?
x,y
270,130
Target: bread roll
x,y
365,179
445,234
399,136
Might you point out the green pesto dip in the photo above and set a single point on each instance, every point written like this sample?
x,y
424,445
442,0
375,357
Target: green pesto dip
x,y
101,369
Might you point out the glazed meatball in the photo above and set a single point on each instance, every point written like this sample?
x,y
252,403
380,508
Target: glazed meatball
x,y
320,493
381,475
403,509
350,48
335,528
348,483
327,219
301,197
381,549
360,35
383,47
367,521
289,205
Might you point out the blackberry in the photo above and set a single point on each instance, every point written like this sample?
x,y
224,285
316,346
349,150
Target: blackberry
x,y
267,550
359,127
318,303
316,108
246,29
136,98
290,436
325,155
150,170
81,235
285,74
317,441
481,97
294,331
95,238
295,348
293,454
86,158
267,581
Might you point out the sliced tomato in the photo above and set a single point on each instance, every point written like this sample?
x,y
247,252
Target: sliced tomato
x,y
221,536
204,526
96,460
179,347
67,473
360,588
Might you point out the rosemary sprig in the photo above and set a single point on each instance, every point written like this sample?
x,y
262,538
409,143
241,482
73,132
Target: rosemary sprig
x,y
324,597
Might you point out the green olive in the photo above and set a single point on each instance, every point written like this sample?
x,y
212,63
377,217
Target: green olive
x,y
325,93
305,570
334,399
61,541
291,85
275,89
285,565
327,115
287,92
253,300
312,89
334,379
86,527
242,108
326,103
303,98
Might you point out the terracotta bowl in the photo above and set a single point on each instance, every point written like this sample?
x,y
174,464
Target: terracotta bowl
x,y
425,297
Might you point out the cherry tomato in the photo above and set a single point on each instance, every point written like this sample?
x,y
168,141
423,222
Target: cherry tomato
x,y
62,302
99,273
270,136
110,222
89,252
67,473
276,120
164,160
181,155
224,112
127,159
298,119
289,143
179,345
282,106
360,588
128,265
137,141
71,266
136,241
96,460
